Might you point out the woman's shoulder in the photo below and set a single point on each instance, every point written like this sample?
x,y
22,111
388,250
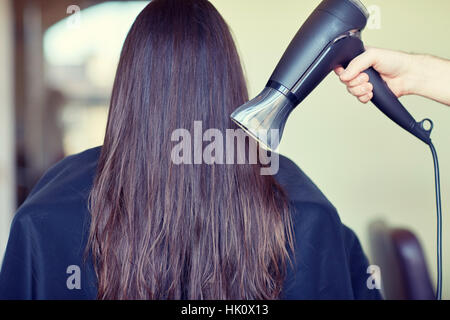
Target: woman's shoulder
x,y
64,186
70,169
304,195
314,217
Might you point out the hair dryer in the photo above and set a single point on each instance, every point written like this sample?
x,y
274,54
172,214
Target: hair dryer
x,y
329,37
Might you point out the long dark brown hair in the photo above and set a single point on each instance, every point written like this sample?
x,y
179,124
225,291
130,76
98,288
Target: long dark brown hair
x,y
166,231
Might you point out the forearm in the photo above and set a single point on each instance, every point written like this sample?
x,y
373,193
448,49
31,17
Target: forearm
x,y
430,77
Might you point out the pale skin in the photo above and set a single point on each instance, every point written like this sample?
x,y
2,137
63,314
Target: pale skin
x,y
404,73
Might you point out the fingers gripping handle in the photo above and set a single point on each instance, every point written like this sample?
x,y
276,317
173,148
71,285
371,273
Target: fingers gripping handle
x,y
385,100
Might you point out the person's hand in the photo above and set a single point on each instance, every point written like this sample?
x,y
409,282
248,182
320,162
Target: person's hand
x,y
394,68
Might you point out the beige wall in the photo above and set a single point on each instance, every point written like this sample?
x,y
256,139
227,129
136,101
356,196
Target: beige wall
x,y
366,165
7,198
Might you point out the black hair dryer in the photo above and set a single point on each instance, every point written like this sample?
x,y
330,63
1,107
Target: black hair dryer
x,y
329,37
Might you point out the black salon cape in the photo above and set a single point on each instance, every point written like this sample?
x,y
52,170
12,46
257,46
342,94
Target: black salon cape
x,y
49,233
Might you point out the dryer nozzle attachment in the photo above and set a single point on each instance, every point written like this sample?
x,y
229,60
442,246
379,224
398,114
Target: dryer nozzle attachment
x,y
264,117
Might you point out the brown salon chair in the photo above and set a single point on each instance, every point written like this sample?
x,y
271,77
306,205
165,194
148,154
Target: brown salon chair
x,y
398,253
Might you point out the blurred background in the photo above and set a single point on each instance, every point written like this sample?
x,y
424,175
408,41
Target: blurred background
x,y
58,60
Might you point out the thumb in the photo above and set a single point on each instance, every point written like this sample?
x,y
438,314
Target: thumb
x,y
358,65
338,70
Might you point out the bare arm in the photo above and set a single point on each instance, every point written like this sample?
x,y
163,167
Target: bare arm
x,y
433,79
405,74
